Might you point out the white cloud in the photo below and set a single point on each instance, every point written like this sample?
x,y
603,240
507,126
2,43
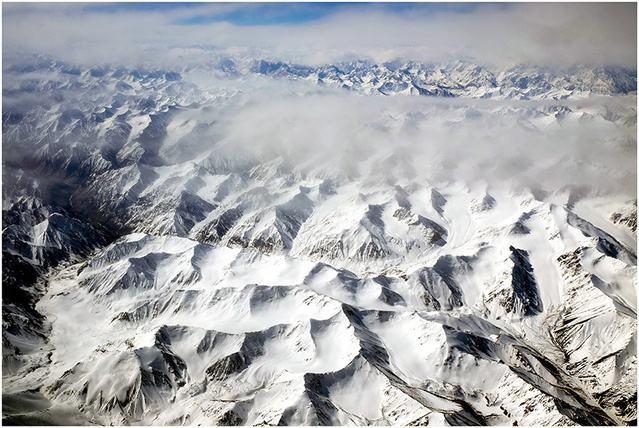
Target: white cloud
x,y
561,34
490,141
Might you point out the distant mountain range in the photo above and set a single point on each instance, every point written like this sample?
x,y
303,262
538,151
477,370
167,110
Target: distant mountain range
x,y
454,79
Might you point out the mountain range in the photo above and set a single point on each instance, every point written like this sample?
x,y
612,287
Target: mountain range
x,y
201,245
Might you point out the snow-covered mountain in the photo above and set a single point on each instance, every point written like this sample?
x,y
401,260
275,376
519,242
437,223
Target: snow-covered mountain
x,y
459,78
246,243
452,79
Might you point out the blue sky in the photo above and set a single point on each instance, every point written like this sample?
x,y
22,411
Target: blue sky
x,y
246,14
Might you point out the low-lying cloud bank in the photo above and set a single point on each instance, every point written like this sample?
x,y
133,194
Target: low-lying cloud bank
x,y
503,34
541,144
545,144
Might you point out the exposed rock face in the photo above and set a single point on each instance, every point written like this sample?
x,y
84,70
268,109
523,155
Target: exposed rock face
x,y
627,216
525,292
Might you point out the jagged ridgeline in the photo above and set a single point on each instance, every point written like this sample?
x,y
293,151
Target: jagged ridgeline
x,y
296,245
